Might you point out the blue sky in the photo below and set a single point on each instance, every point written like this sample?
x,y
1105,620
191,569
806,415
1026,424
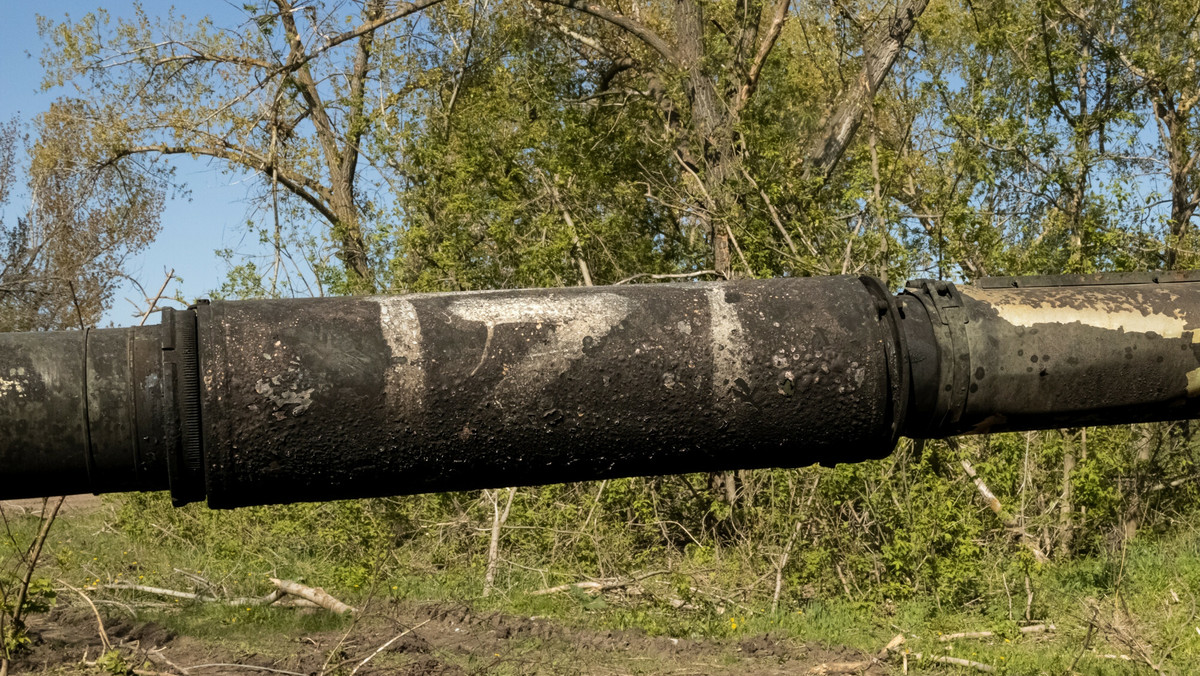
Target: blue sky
x,y
193,227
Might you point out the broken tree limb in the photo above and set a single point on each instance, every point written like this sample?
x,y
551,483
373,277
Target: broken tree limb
x,y
99,622
384,647
597,586
315,594
158,591
957,661
1031,629
191,596
1005,518
829,668
589,584
156,656
277,597
251,667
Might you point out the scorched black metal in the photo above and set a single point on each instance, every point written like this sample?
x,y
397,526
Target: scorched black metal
x,y
274,401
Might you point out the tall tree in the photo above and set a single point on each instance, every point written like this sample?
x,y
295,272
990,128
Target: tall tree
x,y
292,96
552,193
703,62
63,256
1022,163
1153,48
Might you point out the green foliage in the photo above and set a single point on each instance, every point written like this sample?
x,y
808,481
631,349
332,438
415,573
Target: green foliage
x,y
517,145
341,543
113,662
40,597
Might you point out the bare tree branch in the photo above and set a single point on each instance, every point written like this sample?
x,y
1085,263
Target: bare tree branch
x,y
839,127
627,24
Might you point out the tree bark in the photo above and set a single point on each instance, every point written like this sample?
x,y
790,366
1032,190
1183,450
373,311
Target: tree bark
x,y
348,229
315,594
839,127
498,518
1185,185
340,156
1066,516
712,130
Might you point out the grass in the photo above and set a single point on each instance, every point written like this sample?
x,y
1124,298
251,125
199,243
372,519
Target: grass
x,y
1141,602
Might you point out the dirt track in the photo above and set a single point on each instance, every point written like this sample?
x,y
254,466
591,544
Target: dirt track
x,y
444,639
73,503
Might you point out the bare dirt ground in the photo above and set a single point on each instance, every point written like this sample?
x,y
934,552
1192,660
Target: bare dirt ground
x,y
33,506
442,639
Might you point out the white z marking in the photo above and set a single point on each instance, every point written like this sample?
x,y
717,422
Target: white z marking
x,y
570,319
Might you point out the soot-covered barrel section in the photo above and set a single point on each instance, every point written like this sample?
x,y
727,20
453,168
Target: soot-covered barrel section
x,y
334,398
82,412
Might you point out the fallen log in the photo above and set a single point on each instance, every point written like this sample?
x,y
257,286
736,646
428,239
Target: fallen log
x,y
597,586
1031,629
957,661
277,597
315,594
832,668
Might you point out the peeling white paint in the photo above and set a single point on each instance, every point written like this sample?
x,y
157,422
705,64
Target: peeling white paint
x,y
15,382
571,320
1130,321
1114,314
406,374
728,345
1193,383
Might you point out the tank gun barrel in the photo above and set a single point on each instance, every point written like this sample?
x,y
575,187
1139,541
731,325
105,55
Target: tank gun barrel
x,y
275,401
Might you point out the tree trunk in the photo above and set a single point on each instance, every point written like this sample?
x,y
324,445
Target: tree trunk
x,y
1066,506
352,249
498,518
838,129
712,130
1134,498
1184,197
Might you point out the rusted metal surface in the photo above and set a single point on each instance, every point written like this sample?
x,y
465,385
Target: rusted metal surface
x,y
260,402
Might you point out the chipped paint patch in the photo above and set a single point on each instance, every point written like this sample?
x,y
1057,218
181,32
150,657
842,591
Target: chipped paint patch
x,y
1110,312
405,376
14,383
1129,321
1113,313
11,386
1193,383
281,396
